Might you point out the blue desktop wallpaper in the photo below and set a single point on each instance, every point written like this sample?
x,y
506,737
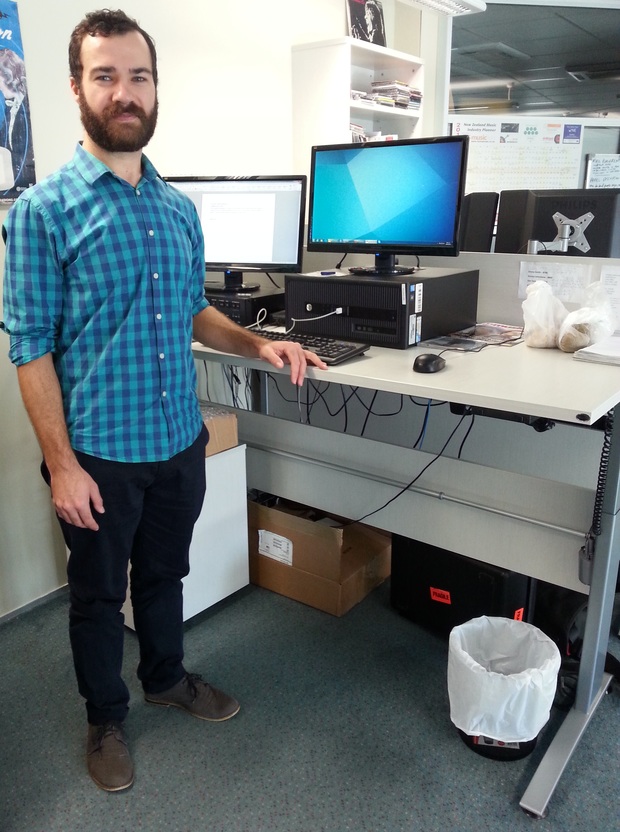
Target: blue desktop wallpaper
x,y
386,194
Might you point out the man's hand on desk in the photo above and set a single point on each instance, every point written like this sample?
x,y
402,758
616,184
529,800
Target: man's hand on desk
x,y
279,353
216,330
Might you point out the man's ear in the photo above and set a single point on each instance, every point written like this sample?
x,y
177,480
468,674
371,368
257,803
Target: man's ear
x,y
75,88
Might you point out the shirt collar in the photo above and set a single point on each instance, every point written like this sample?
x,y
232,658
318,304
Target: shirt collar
x,y
92,169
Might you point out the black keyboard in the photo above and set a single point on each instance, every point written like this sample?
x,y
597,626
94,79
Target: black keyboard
x,y
330,350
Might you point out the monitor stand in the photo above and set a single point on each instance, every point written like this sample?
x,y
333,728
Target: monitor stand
x,y
385,266
233,284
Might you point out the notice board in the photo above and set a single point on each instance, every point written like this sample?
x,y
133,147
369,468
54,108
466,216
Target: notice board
x,y
510,153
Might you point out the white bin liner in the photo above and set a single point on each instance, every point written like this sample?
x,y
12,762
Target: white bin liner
x,y
502,677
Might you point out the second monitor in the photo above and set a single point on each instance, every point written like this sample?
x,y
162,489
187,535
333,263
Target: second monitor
x,y
250,224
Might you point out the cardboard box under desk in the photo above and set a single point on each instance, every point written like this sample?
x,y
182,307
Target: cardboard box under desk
x,y
327,567
222,426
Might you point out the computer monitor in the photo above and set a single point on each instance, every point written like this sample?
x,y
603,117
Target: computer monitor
x,y
391,199
593,216
253,223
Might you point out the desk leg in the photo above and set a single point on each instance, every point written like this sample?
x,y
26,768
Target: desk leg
x,y
543,783
592,682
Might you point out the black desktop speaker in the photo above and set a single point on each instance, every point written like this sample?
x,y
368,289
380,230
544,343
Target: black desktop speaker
x,y
477,223
440,589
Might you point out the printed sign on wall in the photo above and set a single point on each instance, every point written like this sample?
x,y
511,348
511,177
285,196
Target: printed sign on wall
x,y
509,153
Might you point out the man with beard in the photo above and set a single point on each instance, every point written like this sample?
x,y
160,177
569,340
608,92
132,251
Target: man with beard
x,y
103,294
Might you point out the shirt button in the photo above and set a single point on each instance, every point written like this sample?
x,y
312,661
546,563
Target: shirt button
x,y
155,276
137,192
161,355
158,316
164,394
151,233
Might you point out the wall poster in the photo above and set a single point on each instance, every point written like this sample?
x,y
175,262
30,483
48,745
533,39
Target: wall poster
x,y
517,153
16,152
365,19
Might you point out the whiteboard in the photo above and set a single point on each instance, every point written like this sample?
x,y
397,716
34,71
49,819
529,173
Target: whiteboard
x,y
518,153
603,170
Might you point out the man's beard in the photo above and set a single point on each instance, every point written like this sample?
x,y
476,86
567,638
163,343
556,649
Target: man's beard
x,y
115,137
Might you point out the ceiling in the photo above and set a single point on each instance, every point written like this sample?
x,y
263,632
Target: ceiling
x,y
515,58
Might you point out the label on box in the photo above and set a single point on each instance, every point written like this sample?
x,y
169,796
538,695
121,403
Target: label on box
x,y
275,546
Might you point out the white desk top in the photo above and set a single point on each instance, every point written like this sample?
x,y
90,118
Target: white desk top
x,y
519,379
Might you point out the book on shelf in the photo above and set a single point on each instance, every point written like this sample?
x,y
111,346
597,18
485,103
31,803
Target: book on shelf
x,y
605,351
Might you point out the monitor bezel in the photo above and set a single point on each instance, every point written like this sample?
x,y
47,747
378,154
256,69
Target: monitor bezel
x,y
257,266
403,249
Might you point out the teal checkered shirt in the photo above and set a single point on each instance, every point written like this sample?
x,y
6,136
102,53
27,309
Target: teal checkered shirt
x,y
107,277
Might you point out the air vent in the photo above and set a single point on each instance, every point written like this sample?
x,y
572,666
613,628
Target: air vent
x,y
450,7
595,72
490,50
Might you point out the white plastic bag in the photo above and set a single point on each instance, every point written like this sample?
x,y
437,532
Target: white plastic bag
x,y
590,323
543,315
502,677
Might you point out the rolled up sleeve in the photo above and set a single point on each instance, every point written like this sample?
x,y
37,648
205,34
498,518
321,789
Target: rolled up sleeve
x,y
33,285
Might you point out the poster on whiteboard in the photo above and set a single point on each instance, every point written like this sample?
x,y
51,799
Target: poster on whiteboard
x,y
509,153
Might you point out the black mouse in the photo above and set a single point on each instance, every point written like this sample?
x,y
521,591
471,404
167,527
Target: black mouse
x,y
428,362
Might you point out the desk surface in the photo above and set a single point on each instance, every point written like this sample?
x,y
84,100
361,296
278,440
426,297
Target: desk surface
x,y
520,379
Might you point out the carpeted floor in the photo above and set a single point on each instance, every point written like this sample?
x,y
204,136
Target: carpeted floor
x,y
344,726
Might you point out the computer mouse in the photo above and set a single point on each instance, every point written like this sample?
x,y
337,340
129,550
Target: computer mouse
x,y
428,362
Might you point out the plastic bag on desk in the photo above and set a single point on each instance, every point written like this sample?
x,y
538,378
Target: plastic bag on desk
x,y
590,323
543,315
502,677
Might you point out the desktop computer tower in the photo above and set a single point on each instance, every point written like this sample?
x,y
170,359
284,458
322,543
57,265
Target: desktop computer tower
x,y
440,589
396,311
245,307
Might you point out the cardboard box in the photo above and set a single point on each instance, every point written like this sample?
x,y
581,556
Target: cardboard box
x,y
222,426
314,561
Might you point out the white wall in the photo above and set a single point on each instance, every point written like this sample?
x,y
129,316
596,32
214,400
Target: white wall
x,y
225,107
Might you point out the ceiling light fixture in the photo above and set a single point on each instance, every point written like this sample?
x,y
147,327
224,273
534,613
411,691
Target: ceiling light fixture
x,y
595,72
450,7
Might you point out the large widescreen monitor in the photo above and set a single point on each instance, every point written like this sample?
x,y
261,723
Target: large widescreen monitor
x,y
253,223
389,199
590,218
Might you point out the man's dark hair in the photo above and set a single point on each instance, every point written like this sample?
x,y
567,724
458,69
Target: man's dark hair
x,y
104,23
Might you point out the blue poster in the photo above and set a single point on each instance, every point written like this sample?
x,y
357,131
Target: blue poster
x,y
16,153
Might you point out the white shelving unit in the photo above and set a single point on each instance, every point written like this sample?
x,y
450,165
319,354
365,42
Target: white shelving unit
x,y
324,74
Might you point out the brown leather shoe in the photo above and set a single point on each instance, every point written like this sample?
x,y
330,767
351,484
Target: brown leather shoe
x,y
107,756
198,698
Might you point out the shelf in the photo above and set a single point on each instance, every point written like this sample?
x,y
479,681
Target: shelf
x,y
325,72
383,110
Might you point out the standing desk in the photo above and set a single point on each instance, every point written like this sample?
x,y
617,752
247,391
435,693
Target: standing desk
x,y
531,525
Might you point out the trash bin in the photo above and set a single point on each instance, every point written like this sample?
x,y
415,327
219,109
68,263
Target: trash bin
x,y
502,677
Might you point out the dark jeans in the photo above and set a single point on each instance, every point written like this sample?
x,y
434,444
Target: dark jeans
x,y
150,511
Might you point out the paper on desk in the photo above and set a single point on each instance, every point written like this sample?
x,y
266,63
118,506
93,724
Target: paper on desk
x,y
605,351
568,280
610,279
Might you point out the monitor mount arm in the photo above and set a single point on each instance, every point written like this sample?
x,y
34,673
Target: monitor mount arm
x,y
570,233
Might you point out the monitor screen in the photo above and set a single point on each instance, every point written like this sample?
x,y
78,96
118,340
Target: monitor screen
x,y
387,198
253,223
588,220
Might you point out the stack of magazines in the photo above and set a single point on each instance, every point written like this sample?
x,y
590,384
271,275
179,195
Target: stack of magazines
x,y
396,94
